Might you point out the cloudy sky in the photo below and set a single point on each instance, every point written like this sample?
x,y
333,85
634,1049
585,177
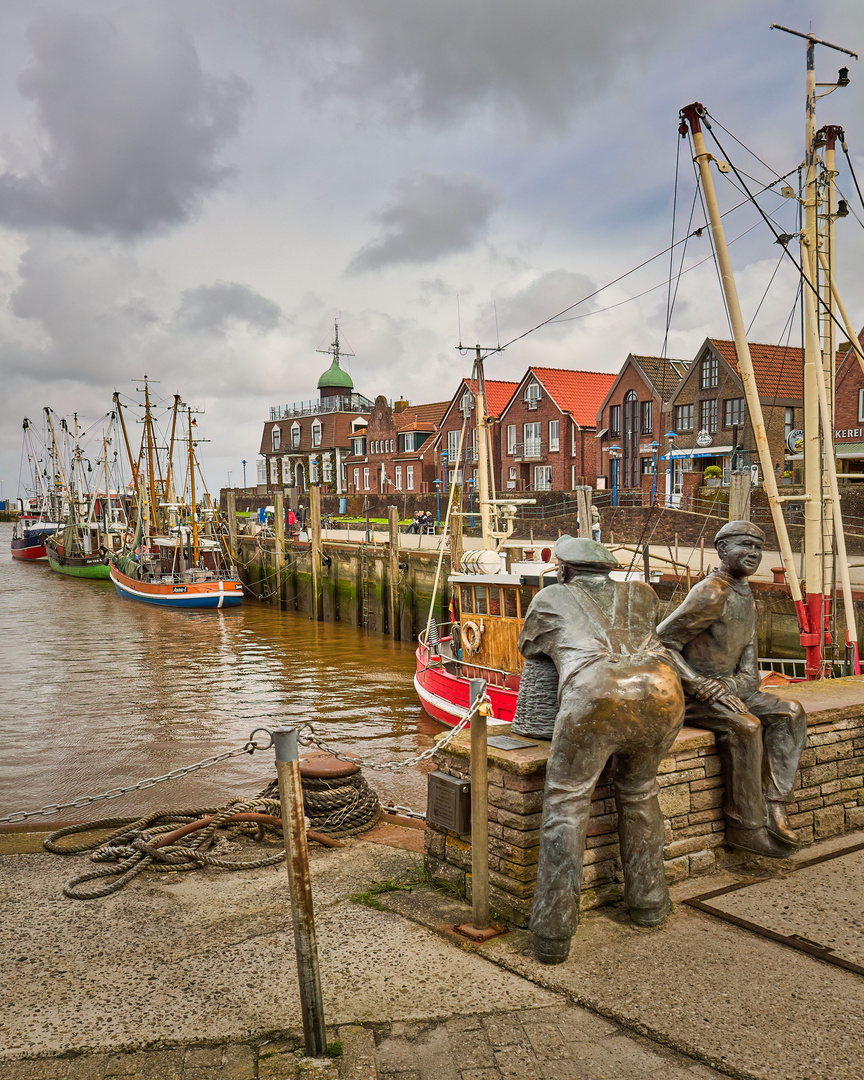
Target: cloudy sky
x,y
195,190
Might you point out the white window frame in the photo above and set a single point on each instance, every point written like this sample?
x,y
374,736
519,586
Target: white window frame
x,y
533,392
356,479
453,444
275,438
316,432
274,470
295,436
286,471
554,435
262,470
860,407
398,471
532,445
365,479
409,477
511,439
546,483
573,431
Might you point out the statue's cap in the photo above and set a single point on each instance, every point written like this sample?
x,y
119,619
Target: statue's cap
x,y
739,528
580,551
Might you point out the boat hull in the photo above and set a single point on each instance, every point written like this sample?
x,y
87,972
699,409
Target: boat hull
x,y
28,551
91,567
446,696
202,594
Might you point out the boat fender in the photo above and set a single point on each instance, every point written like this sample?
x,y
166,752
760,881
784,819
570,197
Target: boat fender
x,y
471,634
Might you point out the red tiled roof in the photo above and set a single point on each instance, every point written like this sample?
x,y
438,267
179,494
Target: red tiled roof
x,y
421,417
779,369
498,393
580,393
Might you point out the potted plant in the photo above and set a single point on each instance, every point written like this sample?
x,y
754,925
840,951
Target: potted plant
x,y
713,476
786,477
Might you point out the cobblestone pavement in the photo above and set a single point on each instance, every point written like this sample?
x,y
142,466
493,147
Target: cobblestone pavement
x,y
553,1043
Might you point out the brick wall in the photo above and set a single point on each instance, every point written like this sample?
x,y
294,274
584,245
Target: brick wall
x,y
829,800
630,380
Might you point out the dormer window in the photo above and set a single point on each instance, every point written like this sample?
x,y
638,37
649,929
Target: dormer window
x,y
276,437
467,403
295,436
532,395
316,433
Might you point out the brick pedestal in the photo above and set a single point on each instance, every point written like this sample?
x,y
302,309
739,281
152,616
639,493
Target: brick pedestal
x,y
829,800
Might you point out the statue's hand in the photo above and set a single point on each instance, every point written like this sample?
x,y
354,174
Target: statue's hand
x,y
734,703
708,690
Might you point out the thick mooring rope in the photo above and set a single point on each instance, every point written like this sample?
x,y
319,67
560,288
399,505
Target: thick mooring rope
x,y
340,807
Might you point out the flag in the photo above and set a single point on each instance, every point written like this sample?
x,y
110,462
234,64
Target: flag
x,y
194,422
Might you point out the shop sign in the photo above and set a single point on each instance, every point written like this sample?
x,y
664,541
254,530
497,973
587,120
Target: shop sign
x,y
795,440
704,438
849,433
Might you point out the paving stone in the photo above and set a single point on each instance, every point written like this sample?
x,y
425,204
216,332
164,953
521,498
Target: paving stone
x,y
162,1064
480,1074
206,1073
239,1063
547,1041
89,1067
122,1064
577,1024
464,1023
200,1057
41,1069
395,1055
472,1051
358,1053
517,1063
277,1065
504,1031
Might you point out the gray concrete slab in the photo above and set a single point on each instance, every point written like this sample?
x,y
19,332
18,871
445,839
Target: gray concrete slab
x,y
823,903
209,956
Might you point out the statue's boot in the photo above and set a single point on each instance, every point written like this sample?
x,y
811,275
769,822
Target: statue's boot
x,y
650,916
778,824
551,950
759,841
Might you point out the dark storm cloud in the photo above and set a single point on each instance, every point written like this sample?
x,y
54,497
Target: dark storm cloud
x,y
211,308
131,127
434,61
428,217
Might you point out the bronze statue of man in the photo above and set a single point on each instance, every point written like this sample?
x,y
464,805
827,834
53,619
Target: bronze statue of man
x,y
759,737
618,694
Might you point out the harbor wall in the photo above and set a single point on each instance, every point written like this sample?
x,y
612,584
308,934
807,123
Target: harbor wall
x,y
828,800
354,584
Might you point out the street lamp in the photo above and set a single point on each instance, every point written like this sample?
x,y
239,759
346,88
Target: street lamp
x,y
655,446
445,458
614,454
437,483
671,436
243,463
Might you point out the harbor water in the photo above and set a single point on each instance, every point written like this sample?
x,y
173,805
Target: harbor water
x,y
97,692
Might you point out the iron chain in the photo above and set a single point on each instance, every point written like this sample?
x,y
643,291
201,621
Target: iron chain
x,y
114,793
313,740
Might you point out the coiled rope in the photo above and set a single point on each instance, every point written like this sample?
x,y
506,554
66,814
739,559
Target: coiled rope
x,y
343,806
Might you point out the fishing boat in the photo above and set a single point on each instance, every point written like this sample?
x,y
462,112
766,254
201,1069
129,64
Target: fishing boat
x,y
93,522
488,608
35,521
173,558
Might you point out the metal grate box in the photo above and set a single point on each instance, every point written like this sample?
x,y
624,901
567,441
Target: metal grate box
x,y
448,802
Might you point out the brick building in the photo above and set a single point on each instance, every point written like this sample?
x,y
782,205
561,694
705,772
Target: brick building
x,y
709,403
394,451
448,469
849,416
634,417
548,430
307,441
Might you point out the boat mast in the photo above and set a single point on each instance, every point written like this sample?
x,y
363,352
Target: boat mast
x,y
692,115
192,482
151,450
823,526
478,379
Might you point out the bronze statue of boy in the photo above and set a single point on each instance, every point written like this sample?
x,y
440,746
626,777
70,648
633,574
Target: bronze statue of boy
x,y
618,694
712,636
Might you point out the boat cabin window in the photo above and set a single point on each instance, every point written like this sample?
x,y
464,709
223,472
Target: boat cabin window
x,y
494,601
510,611
481,600
467,600
526,595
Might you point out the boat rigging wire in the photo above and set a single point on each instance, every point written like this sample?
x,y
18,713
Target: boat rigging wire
x,y
852,170
820,302
627,273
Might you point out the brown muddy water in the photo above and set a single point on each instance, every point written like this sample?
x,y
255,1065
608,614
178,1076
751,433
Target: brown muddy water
x,y
98,692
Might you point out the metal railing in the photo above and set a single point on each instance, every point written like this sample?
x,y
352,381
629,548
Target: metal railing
x,y
346,403
528,450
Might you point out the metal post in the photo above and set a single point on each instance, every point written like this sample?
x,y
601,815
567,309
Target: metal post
x,y
278,542
300,885
479,811
315,537
393,570
583,510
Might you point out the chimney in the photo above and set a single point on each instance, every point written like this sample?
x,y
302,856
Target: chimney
x,y
401,405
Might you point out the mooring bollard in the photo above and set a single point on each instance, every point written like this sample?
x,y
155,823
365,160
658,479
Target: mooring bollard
x,y
300,884
479,810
